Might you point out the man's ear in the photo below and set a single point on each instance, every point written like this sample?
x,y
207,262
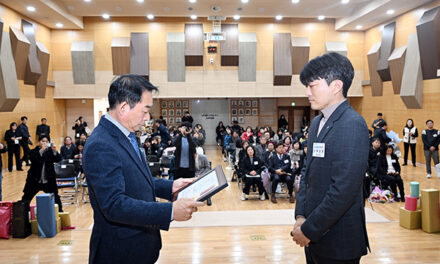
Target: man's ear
x,y
337,86
122,109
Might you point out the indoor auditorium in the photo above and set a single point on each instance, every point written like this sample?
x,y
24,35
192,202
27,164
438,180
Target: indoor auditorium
x,y
255,131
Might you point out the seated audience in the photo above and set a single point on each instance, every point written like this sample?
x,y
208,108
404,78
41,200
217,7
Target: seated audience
x,y
269,153
68,149
201,163
247,135
287,144
252,168
381,134
82,138
279,167
389,171
261,148
296,157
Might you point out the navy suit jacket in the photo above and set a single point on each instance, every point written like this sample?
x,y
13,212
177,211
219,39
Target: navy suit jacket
x,y
330,193
127,218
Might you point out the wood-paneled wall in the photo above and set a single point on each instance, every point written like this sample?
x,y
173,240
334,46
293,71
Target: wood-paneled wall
x,y
33,108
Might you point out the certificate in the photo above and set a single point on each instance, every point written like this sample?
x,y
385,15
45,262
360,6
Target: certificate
x,y
205,186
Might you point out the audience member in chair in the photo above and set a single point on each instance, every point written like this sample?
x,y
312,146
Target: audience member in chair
x,y
374,157
296,155
41,176
68,149
389,170
269,153
260,149
381,134
202,164
280,172
252,168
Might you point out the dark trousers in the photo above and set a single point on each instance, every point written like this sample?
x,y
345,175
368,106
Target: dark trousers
x,y
395,181
26,151
11,153
312,258
183,173
282,178
32,188
413,153
249,181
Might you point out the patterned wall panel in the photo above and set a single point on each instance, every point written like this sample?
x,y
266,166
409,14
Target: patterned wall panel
x,y
9,93
386,47
43,57
247,66
412,79
120,55
140,54
397,62
83,62
33,67
282,59
20,50
176,57
300,53
375,81
428,34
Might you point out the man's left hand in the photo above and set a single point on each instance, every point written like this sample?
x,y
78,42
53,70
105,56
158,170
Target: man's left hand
x,y
300,238
181,183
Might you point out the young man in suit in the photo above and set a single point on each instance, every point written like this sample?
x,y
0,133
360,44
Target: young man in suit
x,y
127,218
280,169
330,216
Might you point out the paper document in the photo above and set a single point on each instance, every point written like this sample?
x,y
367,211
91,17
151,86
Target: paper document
x,y
201,187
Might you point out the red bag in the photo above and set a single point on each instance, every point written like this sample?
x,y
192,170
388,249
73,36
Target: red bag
x,y
5,220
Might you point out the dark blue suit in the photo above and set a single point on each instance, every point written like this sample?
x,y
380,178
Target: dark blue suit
x,y
127,218
330,194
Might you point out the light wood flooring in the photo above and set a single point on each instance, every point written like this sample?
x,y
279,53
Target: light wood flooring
x,y
251,244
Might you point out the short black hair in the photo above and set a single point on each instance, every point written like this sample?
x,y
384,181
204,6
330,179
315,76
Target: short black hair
x,y
42,119
279,144
42,137
429,120
23,118
12,124
330,66
374,139
252,147
128,88
379,114
390,147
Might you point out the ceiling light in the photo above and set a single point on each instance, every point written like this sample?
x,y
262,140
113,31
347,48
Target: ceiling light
x,y
87,1
150,16
390,12
193,17
359,27
105,16
236,17
279,17
321,17
295,1
59,25
244,1
345,1
140,1
30,9
192,1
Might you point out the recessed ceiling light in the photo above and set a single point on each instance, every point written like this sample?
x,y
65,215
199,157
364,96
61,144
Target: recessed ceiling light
x,y
345,1
192,1
244,1
30,9
150,16
359,27
236,17
295,1
59,25
193,17
140,1
390,12
105,16
321,17
279,17
87,1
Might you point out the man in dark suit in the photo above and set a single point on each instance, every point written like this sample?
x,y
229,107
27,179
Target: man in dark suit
x,y
43,129
330,216
127,218
280,170
23,132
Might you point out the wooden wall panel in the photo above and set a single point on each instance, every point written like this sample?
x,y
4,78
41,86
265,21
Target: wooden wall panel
x,y
176,57
375,80
336,46
428,34
33,67
397,62
229,49
20,50
83,62
140,54
300,53
194,45
282,59
386,47
9,93
412,80
121,55
43,57
247,66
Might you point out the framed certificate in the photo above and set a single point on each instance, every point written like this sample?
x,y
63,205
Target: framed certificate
x,y
205,186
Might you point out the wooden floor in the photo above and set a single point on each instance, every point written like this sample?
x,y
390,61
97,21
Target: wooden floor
x,y
251,244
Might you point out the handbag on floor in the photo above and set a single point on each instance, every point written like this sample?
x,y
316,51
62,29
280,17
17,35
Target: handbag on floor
x,y
437,170
5,219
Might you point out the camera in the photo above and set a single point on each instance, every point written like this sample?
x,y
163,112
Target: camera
x,y
48,145
188,129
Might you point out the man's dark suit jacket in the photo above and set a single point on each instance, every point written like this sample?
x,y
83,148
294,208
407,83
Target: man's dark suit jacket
x,y
284,163
330,195
127,218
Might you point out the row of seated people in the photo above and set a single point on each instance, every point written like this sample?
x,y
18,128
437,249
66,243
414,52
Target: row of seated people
x,y
384,169
265,166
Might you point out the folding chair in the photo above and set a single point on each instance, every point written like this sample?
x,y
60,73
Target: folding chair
x,y
66,177
155,169
152,158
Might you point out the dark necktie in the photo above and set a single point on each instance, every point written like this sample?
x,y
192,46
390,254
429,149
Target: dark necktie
x,y
134,143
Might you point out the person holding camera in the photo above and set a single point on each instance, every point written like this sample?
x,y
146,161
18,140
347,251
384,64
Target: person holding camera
x,y
41,176
184,161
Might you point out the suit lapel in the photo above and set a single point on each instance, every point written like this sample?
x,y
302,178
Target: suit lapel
x,y
329,124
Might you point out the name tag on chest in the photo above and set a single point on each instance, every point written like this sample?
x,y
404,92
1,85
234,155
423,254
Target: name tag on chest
x,y
318,150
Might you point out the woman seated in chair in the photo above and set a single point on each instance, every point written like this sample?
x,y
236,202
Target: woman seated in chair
x,y
41,176
241,155
389,171
251,168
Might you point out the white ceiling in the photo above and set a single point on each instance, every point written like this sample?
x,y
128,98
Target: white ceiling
x,y
367,13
